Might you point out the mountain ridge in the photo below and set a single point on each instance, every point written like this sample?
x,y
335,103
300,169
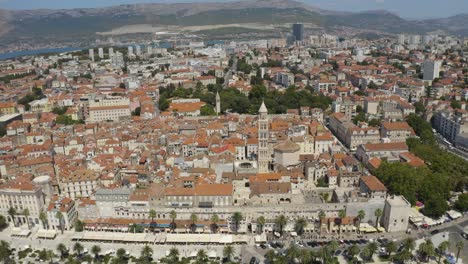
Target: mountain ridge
x,y
68,24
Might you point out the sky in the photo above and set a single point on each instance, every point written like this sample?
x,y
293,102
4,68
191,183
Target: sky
x,y
406,8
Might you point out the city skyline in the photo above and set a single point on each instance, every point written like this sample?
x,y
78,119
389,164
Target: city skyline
x,y
416,9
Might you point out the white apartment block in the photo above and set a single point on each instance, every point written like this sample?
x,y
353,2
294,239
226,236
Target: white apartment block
x,y
21,195
431,69
108,109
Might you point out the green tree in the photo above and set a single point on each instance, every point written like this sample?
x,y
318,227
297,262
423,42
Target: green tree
x,y
3,222
300,225
79,226
270,255
78,248
152,214
59,216
378,213
95,250
228,252
173,216
5,251
353,250
426,250
441,249
12,214
236,219
193,225
146,254
361,215
62,249
391,247
43,218
137,111
342,216
459,247
261,223
207,110
214,223
281,222
462,203
201,257
121,254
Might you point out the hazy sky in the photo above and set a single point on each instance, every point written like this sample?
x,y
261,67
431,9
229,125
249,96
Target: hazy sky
x,y
405,8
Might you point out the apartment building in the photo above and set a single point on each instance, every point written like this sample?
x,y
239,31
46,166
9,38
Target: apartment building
x,y
21,194
451,124
396,131
108,109
67,209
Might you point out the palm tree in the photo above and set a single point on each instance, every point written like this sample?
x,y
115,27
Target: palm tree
x,y
26,215
12,213
378,213
202,257
152,215
78,248
353,250
459,247
306,256
442,248
409,244
426,250
322,216
292,253
228,252
270,255
372,247
5,251
261,223
62,249
96,250
173,256
390,248
43,218
194,219
214,223
237,218
146,253
361,215
341,215
173,216
333,246
120,254
300,225
281,222
59,216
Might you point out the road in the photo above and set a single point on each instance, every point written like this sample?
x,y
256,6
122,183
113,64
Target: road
x,y
448,231
455,151
230,72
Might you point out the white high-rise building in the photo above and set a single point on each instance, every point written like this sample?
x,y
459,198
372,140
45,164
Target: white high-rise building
x,y
130,51
91,54
415,39
431,69
401,39
101,53
149,49
263,135
111,53
138,50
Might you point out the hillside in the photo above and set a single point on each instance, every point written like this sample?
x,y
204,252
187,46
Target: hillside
x,y
76,24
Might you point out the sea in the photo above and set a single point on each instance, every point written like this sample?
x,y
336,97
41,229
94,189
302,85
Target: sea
x,y
16,54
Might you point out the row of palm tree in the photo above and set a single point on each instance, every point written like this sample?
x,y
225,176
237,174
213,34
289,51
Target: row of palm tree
x,y
326,254
42,216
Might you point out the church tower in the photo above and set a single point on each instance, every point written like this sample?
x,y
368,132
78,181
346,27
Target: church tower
x,y
218,103
263,135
